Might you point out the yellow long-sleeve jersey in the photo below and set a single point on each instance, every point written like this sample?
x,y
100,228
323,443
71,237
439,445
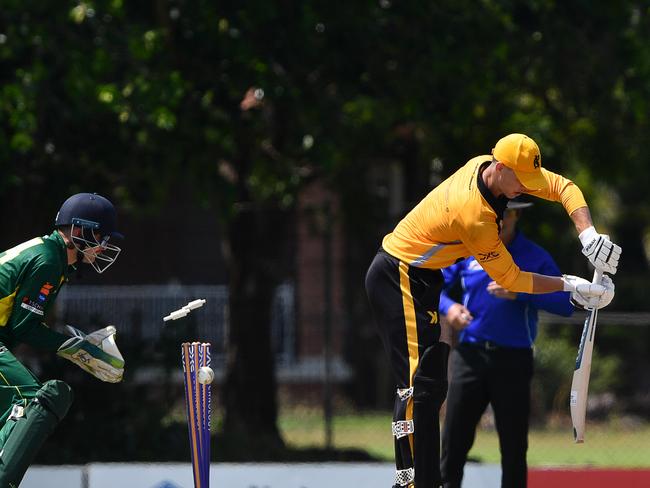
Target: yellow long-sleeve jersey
x,y
459,218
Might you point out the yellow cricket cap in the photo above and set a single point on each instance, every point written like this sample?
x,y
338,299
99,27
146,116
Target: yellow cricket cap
x,y
521,154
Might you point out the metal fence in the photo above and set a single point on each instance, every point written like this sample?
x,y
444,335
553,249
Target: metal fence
x,y
618,431
138,311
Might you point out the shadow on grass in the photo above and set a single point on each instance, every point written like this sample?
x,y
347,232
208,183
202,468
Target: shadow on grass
x,y
171,444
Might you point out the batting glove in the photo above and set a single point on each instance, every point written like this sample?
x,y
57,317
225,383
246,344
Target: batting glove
x,y
600,251
587,294
95,353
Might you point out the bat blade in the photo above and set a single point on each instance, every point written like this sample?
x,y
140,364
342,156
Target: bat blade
x,y
580,382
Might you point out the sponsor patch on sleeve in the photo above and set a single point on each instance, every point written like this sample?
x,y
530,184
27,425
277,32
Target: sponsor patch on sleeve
x,y
32,306
44,292
487,256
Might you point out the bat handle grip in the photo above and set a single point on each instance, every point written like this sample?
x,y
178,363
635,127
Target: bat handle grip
x,y
598,274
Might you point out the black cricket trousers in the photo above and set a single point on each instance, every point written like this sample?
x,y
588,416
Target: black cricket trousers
x,y
404,300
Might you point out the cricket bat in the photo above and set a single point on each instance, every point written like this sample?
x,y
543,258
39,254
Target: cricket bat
x,y
580,383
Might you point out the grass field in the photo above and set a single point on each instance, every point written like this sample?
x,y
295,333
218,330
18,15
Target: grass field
x,y
606,444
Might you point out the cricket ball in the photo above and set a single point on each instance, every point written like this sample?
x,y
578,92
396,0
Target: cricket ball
x,y
205,375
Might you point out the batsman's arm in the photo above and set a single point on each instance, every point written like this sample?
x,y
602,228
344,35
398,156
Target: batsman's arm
x,y
497,262
549,284
563,190
535,283
581,218
557,302
484,243
601,252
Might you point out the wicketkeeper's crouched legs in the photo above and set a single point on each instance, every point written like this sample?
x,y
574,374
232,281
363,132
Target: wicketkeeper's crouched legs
x,y
27,428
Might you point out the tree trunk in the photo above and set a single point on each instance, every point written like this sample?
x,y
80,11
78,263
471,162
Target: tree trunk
x,y
254,258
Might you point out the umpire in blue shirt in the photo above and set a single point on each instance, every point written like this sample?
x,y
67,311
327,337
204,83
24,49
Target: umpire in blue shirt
x,y
493,362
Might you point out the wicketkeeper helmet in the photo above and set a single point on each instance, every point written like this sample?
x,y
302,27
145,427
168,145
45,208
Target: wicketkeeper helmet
x,y
97,218
89,210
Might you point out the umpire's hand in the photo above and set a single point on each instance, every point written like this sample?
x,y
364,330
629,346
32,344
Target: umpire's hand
x,y
459,316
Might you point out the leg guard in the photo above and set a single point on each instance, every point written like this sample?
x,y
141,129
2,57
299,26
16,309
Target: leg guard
x,y
28,429
429,392
402,432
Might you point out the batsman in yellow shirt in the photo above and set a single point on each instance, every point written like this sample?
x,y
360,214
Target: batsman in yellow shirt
x,y
457,219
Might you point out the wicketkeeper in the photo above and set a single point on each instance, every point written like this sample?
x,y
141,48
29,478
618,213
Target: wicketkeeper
x,y
457,219
31,276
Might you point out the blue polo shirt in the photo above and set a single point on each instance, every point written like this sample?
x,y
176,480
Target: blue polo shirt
x,y
509,323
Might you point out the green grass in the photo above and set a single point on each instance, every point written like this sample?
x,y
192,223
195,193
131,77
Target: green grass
x,y
606,444
370,432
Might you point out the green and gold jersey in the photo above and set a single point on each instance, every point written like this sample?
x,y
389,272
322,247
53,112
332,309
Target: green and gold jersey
x,y
31,275
460,218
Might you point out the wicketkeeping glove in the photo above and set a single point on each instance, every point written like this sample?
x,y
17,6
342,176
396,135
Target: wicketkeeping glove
x,y
588,294
96,353
600,251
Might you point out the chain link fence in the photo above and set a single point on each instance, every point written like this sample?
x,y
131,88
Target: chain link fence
x,y
319,389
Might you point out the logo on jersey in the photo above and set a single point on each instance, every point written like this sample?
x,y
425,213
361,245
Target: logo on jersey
x,y
434,317
487,256
32,306
44,292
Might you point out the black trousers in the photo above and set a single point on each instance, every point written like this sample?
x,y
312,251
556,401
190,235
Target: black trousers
x,y
481,375
404,301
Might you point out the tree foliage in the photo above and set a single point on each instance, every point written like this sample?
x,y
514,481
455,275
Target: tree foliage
x,y
243,103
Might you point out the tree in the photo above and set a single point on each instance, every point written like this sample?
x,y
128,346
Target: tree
x,y
244,104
